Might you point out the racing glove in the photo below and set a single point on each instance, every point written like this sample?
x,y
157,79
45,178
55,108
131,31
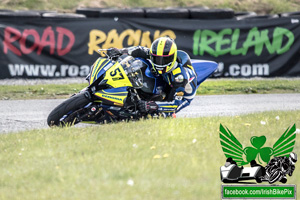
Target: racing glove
x,y
114,52
147,106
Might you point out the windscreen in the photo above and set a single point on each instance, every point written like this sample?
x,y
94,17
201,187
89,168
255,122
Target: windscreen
x,y
132,68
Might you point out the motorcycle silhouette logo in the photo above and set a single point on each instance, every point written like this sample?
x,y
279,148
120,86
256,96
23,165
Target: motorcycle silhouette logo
x,y
282,163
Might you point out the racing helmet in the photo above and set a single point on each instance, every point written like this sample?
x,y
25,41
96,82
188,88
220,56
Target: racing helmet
x,y
163,54
293,158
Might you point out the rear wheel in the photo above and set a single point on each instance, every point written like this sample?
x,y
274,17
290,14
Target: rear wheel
x,y
258,179
70,105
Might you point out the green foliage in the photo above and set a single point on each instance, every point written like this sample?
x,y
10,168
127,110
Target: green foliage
x,y
261,7
30,4
61,5
152,159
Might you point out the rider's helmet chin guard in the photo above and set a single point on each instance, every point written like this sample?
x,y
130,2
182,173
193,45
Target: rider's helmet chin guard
x,y
163,54
293,158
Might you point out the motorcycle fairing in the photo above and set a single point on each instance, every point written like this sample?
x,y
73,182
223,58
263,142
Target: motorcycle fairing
x,y
203,69
234,173
99,67
231,172
116,77
113,96
250,172
149,85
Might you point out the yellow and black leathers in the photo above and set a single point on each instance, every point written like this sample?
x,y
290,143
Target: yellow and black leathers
x,y
182,80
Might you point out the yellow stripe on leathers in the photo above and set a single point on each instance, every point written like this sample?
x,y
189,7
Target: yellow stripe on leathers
x,y
191,67
161,46
176,71
174,106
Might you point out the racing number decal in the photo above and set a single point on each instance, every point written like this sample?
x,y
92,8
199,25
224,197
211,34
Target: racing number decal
x,y
114,73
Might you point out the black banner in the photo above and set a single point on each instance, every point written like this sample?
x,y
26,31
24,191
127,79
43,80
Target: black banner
x,y
47,48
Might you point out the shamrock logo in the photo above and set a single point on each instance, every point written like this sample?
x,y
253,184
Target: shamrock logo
x,y
234,149
259,152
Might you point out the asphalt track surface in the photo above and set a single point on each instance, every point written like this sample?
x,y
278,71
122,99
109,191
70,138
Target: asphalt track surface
x,y
17,115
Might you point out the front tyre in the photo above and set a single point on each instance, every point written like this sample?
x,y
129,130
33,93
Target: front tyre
x,y
275,176
70,105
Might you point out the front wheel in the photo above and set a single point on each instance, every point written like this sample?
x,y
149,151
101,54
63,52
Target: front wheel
x,y
275,176
68,106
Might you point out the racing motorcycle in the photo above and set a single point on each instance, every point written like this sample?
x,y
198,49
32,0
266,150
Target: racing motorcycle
x,y
115,87
276,173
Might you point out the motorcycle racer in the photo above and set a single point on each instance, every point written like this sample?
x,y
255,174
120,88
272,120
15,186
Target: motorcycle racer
x,y
282,164
174,66
127,84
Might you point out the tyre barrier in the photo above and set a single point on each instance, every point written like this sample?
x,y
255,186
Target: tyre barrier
x,y
46,11
20,14
244,13
6,10
89,12
177,13
254,17
122,13
62,15
202,13
289,14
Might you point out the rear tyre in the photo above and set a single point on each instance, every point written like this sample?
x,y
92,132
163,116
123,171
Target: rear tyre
x,y
226,181
258,179
72,104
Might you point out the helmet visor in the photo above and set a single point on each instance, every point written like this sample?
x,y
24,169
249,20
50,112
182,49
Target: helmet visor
x,y
293,160
162,61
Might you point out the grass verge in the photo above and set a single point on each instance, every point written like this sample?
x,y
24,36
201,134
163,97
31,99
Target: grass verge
x,y
45,91
153,159
249,86
209,87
